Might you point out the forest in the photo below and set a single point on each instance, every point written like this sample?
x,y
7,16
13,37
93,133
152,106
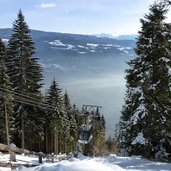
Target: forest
x,y
30,119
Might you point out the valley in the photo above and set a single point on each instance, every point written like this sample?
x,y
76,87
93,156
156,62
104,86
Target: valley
x,y
90,68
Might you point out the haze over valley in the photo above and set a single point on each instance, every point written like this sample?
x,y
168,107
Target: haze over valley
x,y
90,68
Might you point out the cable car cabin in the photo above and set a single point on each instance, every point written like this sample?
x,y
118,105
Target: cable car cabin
x,y
85,134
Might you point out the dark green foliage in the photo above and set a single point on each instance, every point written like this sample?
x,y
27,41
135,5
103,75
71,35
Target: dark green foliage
x,y
146,114
71,113
48,123
26,76
6,97
112,146
57,122
52,117
99,135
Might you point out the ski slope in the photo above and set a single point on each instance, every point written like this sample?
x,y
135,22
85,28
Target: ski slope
x,y
108,163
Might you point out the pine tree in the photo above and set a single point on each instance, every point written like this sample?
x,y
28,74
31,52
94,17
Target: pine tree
x,y
6,97
99,134
146,115
72,122
55,120
26,77
78,119
134,110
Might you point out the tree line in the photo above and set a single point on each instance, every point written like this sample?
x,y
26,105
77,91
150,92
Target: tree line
x,y
145,124
30,119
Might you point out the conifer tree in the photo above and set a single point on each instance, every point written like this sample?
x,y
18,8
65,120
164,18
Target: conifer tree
x,y
134,109
6,97
99,134
78,120
72,122
26,76
146,114
55,120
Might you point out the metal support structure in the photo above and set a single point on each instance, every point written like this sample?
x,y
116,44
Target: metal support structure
x,y
89,112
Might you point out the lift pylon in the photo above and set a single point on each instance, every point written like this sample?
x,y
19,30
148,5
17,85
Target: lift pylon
x,y
89,112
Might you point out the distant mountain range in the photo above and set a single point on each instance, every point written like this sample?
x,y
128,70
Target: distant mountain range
x,y
91,68
119,37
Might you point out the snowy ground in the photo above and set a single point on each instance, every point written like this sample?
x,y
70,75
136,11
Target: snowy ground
x,y
109,163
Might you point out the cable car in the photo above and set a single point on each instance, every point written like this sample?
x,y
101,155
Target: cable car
x,y
85,134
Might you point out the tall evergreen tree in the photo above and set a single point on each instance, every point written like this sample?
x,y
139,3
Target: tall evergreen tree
x,y
6,97
72,122
55,120
134,110
26,76
99,135
146,115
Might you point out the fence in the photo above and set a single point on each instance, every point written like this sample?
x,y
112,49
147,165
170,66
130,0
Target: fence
x,y
15,149
12,150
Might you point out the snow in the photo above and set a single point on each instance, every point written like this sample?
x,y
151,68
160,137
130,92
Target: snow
x,y
82,163
139,113
165,59
169,71
123,49
153,86
139,139
56,43
92,44
82,52
80,46
106,47
12,145
70,46
5,41
89,47
109,45
136,90
59,45
128,48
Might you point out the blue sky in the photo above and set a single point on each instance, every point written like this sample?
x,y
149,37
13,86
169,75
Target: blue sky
x,y
77,16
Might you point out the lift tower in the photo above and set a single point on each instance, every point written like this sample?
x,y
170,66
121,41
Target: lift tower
x,y
89,112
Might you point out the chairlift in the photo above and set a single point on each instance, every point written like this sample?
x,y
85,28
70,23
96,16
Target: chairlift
x,y
85,134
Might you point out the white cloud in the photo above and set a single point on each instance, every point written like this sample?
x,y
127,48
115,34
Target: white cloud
x,y
46,5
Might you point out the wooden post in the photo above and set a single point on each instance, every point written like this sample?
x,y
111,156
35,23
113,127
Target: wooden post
x,y
52,157
40,156
12,153
13,167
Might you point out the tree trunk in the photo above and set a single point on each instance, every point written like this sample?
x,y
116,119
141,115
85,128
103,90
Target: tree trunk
x,y
6,121
22,132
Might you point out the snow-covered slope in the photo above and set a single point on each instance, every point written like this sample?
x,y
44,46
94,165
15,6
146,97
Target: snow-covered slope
x,y
108,163
89,47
